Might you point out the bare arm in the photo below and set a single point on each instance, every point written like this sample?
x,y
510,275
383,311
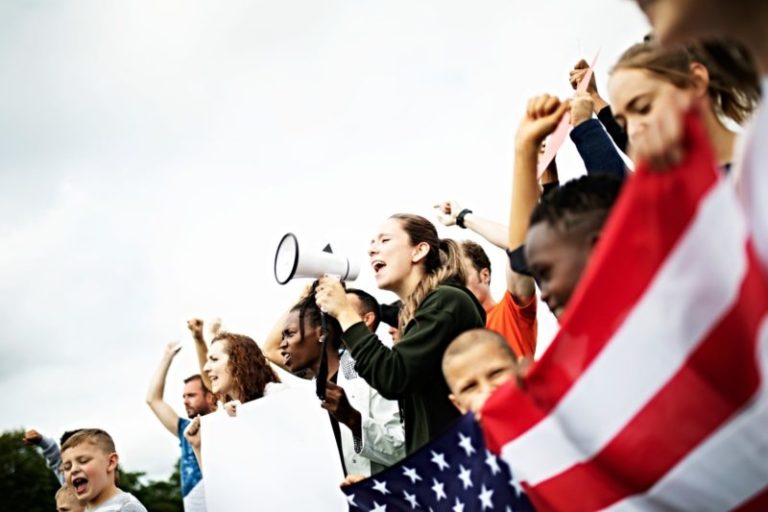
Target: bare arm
x,y
162,410
271,345
196,328
542,116
521,287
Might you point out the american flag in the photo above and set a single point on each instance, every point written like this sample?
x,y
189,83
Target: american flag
x,y
653,395
454,473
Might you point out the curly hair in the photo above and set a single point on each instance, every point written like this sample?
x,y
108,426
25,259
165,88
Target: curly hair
x,y
249,368
734,83
581,205
443,262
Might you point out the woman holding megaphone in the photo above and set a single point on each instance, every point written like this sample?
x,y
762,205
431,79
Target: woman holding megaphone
x,y
409,259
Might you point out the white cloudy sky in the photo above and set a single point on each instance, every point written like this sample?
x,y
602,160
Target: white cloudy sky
x,y
153,153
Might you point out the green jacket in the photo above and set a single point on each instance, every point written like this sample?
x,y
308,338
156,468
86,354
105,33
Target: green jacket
x,y
411,371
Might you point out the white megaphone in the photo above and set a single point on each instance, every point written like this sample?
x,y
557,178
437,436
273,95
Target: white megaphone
x,y
290,263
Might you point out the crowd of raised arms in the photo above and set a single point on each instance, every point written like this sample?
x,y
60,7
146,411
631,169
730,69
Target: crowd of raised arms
x,y
452,343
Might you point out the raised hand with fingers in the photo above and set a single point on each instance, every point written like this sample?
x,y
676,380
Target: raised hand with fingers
x,y
332,299
542,115
32,438
577,74
172,348
447,211
195,326
582,107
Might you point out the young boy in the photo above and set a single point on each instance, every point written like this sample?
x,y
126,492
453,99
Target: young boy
x,y
89,463
66,501
474,365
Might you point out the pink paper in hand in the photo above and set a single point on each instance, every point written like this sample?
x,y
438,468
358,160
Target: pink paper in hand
x,y
556,140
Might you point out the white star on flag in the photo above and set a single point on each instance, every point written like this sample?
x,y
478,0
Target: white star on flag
x,y
459,506
493,464
439,459
438,488
411,498
351,500
464,476
485,497
411,473
380,486
466,443
378,508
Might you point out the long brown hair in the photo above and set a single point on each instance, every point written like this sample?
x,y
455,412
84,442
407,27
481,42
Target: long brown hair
x,y
734,83
443,262
249,368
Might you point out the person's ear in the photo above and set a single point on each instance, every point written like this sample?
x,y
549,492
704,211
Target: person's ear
x,y
319,333
112,462
700,79
368,319
485,276
456,403
420,252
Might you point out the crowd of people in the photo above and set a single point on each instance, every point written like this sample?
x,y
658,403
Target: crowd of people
x,y
452,342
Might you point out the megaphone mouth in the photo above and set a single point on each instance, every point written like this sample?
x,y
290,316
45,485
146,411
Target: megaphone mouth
x,y
286,257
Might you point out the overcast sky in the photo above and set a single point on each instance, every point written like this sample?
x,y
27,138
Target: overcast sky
x,y
153,153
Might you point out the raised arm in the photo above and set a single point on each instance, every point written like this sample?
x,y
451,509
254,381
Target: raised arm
x,y
271,345
520,286
162,410
201,348
50,449
592,142
495,232
543,113
599,105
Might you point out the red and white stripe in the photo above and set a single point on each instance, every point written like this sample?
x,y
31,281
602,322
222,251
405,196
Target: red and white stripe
x,y
653,395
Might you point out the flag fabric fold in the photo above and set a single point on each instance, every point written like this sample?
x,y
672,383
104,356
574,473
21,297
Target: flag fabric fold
x,y
652,395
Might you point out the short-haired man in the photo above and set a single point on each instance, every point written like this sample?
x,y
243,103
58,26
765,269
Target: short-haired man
x,y
198,400
514,317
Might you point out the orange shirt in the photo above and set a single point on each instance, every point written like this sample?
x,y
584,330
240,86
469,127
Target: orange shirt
x,y
516,323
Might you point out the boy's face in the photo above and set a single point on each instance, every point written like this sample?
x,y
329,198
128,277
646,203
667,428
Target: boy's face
x,y
66,502
88,470
557,262
475,373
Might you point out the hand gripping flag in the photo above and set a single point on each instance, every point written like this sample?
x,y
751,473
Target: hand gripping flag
x,y
653,394
452,473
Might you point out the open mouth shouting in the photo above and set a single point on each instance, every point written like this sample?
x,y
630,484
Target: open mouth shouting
x,y
377,265
286,358
80,485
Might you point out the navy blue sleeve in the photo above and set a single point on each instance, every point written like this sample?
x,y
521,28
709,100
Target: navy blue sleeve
x,y
617,133
596,149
